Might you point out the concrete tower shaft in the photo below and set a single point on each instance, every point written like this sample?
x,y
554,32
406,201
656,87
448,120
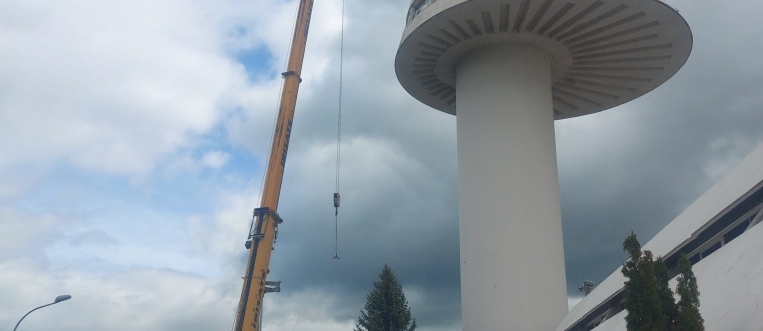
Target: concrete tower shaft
x,y
512,259
508,68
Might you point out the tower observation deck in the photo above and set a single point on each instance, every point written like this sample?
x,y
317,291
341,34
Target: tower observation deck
x,y
508,69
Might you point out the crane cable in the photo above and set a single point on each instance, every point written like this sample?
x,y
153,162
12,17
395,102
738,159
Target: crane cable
x,y
338,143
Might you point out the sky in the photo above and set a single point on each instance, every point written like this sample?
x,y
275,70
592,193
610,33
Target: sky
x,y
134,134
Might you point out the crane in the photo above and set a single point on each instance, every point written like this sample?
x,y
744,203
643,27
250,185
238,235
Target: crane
x,y
265,220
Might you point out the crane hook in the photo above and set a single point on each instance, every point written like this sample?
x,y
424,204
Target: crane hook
x,y
336,226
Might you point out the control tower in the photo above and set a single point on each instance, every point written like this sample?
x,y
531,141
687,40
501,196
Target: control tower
x,y
508,69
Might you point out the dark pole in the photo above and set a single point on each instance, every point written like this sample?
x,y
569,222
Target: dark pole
x,y
58,299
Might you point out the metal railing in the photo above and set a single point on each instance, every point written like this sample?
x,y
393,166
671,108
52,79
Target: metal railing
x,y
416,10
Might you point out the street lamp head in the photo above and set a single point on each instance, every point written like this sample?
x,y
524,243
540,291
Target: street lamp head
x,y
62,298
57,300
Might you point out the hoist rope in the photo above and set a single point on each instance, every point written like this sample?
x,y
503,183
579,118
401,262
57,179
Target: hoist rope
x,y
339,117
338,141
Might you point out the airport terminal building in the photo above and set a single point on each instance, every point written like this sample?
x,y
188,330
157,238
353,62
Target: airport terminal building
x,y
718,233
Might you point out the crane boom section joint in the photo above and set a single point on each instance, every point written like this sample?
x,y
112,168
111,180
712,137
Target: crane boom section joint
x,y
289,73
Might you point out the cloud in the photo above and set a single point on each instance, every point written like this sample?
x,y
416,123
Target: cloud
x,y
21,235
215,159
111,86
94,94
133,299
92,237
313,309
136,270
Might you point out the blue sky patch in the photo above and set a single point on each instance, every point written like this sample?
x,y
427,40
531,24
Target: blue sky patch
x,y
258,62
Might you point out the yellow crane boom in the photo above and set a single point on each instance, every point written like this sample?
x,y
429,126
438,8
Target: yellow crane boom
x,y
265,219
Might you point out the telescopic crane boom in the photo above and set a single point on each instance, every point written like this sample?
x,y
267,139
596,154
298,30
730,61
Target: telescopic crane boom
x,y
265,219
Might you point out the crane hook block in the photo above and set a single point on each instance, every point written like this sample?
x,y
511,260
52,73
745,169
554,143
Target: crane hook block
x,y
336,200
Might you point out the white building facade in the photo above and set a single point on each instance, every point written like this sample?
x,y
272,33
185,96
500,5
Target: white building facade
x,y
720,234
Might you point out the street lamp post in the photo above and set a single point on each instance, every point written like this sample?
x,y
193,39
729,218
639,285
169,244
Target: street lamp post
x,y
58,299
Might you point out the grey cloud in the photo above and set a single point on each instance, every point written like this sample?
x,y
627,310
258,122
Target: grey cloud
x,y
630,168
641,164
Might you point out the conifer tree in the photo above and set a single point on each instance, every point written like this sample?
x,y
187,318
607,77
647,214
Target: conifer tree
x,y
667,301
629,270
689,318
386,308
642,300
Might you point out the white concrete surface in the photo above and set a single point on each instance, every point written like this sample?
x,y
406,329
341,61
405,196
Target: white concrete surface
x,y
512,259
604,52
725,194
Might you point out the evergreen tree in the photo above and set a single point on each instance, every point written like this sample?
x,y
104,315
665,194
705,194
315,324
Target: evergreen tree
x,y
667,301
386,308
629,270
642,300
689,318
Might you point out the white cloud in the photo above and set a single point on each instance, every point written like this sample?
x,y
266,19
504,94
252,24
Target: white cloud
x,y
156,272
134,87
22,235
215,159
112,86
136,299
307,310
221,236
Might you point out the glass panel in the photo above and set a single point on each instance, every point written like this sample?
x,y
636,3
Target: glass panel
x,y
736,231
710,250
